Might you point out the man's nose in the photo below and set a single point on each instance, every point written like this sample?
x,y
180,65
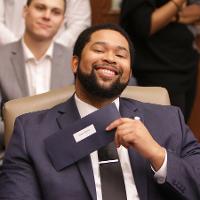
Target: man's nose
x,y
110,57
47,14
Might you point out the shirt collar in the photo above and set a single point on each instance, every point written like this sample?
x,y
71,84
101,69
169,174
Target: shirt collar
x,y
85,108
28,55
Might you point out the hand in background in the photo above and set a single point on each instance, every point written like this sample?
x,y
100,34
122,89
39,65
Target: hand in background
x,y
190,14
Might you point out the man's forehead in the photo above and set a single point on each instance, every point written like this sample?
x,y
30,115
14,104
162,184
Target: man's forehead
x,y
107,36
51,3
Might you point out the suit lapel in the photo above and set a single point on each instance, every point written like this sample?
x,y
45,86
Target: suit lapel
x,y
138,163
18,64
61,73
69,115
85,167
56,66
139,166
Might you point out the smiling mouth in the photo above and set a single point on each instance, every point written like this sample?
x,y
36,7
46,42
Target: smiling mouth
x,y
106,72
45,26
107,69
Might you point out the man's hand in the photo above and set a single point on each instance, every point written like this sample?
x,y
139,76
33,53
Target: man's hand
x,y
190,14
133,133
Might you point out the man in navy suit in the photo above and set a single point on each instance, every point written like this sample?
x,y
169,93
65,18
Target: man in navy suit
x,y
159,156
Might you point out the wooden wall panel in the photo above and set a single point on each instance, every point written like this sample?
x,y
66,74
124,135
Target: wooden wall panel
x,y
102,13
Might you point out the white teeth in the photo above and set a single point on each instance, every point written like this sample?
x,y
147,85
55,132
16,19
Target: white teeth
x,y
106,71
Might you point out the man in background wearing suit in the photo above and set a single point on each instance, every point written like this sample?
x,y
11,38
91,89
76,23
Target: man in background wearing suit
x,y
159,155
35,64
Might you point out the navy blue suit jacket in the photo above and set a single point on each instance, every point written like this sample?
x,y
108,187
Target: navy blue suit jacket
x,y
28,172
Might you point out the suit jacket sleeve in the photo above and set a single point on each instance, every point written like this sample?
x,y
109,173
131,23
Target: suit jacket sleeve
x,y
18,180
183,164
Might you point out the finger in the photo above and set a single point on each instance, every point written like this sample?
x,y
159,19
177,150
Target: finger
x,y
124,143
114,124
117,123
120,137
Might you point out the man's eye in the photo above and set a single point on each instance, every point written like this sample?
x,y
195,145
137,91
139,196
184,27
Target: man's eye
x,y
40,7
98,50
57,12
120,56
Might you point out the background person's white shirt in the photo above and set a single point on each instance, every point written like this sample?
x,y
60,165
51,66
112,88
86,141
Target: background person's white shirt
x,y
38,72
78,17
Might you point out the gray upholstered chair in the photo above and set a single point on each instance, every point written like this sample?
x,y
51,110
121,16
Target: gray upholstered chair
x,y
16,107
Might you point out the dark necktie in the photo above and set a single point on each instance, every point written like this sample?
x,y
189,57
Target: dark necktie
x,y
112,182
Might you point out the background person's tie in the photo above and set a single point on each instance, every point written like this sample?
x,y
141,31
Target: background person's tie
x,y
112,182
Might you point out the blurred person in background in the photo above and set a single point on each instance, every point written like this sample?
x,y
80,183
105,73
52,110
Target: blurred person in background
x,y
35,64
77,18
164,46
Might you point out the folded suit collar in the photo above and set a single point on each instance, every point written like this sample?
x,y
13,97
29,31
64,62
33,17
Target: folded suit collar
x,y
129,109
69,113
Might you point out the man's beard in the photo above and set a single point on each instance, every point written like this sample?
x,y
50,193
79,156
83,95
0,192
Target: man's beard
x,y
90,83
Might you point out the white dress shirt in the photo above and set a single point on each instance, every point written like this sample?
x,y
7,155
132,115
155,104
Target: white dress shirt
x,y
131,191
77,18
38,72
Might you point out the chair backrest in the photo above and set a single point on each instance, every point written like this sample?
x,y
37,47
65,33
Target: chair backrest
x,y
16,107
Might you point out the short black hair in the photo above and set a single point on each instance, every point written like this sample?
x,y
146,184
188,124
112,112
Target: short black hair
x,y
85,37
29,2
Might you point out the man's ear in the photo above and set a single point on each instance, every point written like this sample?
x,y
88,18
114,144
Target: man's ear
x,y
75,63
24,13
131,74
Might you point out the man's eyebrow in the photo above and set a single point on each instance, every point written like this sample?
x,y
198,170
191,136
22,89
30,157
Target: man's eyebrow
x,y
122,48
99,43
44,5
104,43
